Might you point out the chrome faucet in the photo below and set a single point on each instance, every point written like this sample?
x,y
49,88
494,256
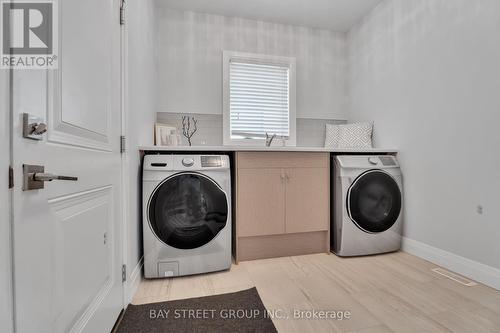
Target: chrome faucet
x,y
269,139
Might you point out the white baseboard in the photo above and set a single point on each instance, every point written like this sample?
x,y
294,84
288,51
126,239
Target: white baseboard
x,y
135,280
477,271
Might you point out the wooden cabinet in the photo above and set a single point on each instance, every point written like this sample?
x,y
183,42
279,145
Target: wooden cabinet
x,y
307,199
282,204
261,202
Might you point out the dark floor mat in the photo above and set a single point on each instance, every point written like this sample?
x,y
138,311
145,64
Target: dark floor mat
x,y
242,311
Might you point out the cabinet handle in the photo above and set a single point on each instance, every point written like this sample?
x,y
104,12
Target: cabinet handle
x,y
287,177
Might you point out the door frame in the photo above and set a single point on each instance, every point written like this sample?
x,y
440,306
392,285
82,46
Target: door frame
x,y
7,263
124,165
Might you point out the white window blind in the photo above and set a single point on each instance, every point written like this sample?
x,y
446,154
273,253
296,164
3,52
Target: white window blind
x,y
259,100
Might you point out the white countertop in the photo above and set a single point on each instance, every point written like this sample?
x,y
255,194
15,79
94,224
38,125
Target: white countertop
x,y
261,148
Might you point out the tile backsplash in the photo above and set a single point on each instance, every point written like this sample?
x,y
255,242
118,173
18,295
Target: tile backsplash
x,y
310,132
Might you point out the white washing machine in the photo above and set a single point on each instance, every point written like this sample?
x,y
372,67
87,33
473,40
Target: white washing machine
x,y
186,214
367,205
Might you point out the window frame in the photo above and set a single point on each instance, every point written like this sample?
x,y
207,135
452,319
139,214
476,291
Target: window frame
x,y
264,59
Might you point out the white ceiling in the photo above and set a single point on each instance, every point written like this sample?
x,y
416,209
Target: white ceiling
x,y
337,15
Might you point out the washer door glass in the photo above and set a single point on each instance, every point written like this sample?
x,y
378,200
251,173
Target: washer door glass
x,y
374,201
188,210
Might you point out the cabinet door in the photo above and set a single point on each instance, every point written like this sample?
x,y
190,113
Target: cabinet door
x,y
307,199
260,202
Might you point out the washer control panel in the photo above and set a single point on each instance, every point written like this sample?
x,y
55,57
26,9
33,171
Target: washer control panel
x,y
211,161
188,161
197,162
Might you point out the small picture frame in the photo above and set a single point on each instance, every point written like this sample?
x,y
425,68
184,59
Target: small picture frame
x,y
166,135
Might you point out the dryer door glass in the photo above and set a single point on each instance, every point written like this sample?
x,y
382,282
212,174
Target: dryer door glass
x,y
188,210
374,201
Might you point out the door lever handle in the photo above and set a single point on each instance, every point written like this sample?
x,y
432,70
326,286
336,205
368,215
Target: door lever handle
x,y
38,129
48,177
35,177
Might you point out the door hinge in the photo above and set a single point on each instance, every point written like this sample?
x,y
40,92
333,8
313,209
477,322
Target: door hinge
x,y
122,12
123,144
11,177
124,273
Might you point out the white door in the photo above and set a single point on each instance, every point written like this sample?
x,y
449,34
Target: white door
x,y
67,236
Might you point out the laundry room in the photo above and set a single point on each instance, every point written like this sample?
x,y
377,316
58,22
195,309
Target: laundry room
x,y
249,166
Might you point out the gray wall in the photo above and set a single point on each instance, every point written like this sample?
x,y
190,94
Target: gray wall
x,y
428,73
310,132
190,66
140,118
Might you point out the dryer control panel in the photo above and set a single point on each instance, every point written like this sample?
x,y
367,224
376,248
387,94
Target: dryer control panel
x,y
367,161
387,160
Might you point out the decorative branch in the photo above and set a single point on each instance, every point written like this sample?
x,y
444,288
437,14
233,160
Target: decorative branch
x,y
186,128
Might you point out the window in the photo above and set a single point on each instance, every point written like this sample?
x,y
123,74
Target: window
x,y
259,98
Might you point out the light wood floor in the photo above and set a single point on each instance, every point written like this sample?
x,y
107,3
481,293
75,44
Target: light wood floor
x,y
387,293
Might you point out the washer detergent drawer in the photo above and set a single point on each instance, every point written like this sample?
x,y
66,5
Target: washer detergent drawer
x,y
168,269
